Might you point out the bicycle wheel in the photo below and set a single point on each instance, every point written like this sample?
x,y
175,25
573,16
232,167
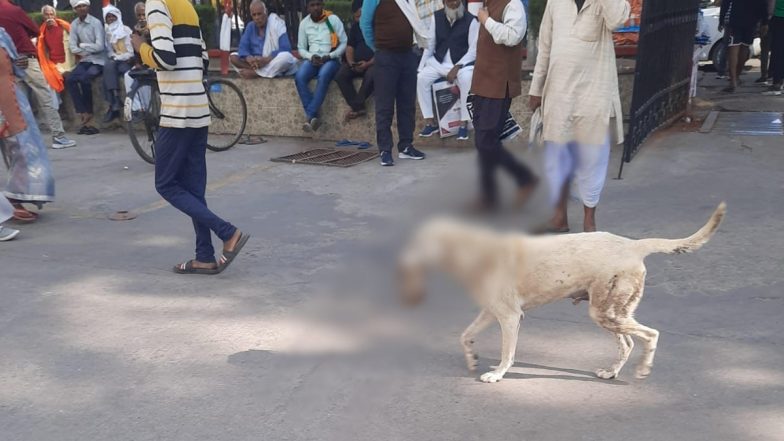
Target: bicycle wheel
x,y
229,114
145,102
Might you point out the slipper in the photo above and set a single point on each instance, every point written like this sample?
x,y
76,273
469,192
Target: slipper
x,y
345,143
25,216
252,140
549,229
188,268
228,256
363,145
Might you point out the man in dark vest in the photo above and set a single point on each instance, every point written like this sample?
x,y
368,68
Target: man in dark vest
x,y
497,74
451,55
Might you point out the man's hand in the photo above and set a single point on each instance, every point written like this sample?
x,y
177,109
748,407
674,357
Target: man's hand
x,y
483,15
263,61
316,61
136,41
452,75
21,62
534,102
361,66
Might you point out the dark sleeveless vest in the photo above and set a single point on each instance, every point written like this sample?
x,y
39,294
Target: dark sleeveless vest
x,y
452,38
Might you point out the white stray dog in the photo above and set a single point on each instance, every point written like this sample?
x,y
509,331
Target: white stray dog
x,y
508,274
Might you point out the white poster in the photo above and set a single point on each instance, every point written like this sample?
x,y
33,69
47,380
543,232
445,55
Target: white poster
x,y
446,107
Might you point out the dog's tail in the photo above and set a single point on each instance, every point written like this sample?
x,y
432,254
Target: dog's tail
x,y
686,245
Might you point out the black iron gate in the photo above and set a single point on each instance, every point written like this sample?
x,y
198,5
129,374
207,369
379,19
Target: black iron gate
x,y
663,72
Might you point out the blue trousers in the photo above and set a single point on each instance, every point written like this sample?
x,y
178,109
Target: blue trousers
x,y
324,73
181,179
80,86
396,81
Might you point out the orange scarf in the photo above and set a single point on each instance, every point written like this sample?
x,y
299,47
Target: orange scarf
x,y
333,36
49,69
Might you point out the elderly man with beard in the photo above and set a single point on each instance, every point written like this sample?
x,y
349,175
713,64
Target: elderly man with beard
x,y
496,81
451,54
265,50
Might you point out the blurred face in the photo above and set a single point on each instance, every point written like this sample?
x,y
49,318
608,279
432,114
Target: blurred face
x,y
110,18
259,15
358,15
49,16
82,11
315,9
452,4
141,18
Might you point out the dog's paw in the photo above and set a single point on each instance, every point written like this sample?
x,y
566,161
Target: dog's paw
x,y
491,377
642,372
606,374
472,361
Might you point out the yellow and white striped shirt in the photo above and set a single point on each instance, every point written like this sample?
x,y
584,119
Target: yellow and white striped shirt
x,y
179,55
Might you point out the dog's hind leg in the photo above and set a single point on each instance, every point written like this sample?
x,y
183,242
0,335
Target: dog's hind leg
x,y
625,346
481,322
627,327
510,327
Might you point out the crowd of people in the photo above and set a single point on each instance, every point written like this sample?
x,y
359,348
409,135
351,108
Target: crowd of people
x,y
405,46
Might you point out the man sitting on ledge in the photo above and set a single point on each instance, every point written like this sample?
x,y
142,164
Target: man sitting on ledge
x,y
451,54
265,50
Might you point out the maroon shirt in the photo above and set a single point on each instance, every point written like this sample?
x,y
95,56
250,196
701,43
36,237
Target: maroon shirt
x,y
54,42
19,27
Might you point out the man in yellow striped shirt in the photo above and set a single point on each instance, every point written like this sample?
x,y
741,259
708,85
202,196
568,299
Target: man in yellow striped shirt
x,y
179,55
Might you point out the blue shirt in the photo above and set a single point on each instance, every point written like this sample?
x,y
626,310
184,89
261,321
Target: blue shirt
x,y
252,44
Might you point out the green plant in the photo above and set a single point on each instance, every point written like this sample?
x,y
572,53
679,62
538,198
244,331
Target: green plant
x,y
535,13
341,8
208,25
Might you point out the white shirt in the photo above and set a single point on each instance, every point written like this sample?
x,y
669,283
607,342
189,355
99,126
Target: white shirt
x,y
512,30
470,55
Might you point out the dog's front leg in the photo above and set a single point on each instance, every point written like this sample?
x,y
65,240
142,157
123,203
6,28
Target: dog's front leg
x,y
510,327
481,322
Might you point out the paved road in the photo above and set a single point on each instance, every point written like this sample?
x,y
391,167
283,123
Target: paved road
x,y
303,338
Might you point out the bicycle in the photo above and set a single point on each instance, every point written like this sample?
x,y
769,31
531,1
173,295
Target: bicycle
x,y
228,111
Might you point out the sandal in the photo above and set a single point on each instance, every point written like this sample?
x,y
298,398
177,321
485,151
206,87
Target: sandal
x,y
188,268
228,256
24,215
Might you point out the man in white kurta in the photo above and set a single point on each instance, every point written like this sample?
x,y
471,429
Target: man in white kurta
x,y
576,84
458,29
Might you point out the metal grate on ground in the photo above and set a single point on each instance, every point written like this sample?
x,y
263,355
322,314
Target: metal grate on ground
x,y
745,123
328,157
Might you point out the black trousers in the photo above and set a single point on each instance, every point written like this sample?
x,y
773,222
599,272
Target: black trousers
x,y
776,31
397,72
345,80
489,118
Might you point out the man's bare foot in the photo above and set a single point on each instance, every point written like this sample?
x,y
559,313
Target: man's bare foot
x,y
232,242
589,221
248,74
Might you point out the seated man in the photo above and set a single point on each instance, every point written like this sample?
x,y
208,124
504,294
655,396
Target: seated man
x,y
119,59
322,42
142,99
359,63
54,55
451,53
265,50
88,44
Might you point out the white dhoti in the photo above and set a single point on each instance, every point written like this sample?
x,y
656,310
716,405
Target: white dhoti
x,y
585,165
432,72
142,98
283,64
6,209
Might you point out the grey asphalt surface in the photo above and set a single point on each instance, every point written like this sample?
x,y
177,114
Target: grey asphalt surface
x,y
303,338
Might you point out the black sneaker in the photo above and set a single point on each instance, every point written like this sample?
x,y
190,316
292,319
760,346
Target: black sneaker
x,y
386,159
411,153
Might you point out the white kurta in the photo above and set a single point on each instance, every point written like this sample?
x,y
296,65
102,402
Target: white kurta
x,y
575,71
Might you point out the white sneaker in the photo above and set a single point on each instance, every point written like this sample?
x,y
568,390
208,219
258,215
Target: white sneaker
x,y
7,233
62,142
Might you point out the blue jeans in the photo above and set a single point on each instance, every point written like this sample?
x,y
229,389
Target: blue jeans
x,y
396,82
325,73
80,85
181,179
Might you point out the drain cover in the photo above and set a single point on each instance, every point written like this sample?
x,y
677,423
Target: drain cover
x,y
122,215
329,157
745,123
